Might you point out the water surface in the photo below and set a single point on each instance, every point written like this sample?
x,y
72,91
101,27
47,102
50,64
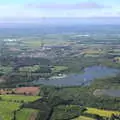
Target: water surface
x,y
84,78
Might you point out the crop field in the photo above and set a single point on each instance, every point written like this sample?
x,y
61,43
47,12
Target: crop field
x,y
33,43
11,103
59,68
19,98
4,69
31,90
29,68
104,113
26,114
91,55
37,43
83,118
7,108
89,51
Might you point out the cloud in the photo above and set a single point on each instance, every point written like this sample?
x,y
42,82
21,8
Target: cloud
x,y
28,12
17,11
82,5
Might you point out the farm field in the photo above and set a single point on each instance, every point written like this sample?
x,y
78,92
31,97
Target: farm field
x,y
83,118
28,90
37,68
37,43
68,66
94,111
25,114
19,98
4,69
104,113
11,103
29,68
33,43
7,108
58,68
93,52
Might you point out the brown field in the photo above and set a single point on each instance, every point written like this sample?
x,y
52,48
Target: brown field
x,y
6,91
27,90
21,90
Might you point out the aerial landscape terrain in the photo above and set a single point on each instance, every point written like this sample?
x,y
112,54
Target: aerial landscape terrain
x,y
59,59
60,73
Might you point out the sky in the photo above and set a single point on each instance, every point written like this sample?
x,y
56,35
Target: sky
x,y
30,10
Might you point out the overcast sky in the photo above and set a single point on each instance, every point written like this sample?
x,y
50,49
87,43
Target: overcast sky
x,y
21,10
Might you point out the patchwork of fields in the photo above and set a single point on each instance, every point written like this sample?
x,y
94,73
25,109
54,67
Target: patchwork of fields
x,y
99,112
104,113
7,108
10,107
4,69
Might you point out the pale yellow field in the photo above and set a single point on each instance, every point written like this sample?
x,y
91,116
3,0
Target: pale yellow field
x,y
104,113
89,51
83,118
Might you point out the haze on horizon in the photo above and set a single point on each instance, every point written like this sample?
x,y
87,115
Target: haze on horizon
x,y
52,11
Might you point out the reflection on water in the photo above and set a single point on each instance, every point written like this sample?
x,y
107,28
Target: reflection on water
x,y
85,78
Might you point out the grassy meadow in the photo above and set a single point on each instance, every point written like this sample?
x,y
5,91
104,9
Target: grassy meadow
x,y
19,98
11,103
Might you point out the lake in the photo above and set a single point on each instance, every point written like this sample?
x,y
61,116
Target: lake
x,y
84,78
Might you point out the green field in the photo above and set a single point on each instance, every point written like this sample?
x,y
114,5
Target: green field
x,y
33,43
93,52
104,113
83,118
100,112
29,68
25,114
11,103
37,68
5,69
7,108
19,98
58,68
37,43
